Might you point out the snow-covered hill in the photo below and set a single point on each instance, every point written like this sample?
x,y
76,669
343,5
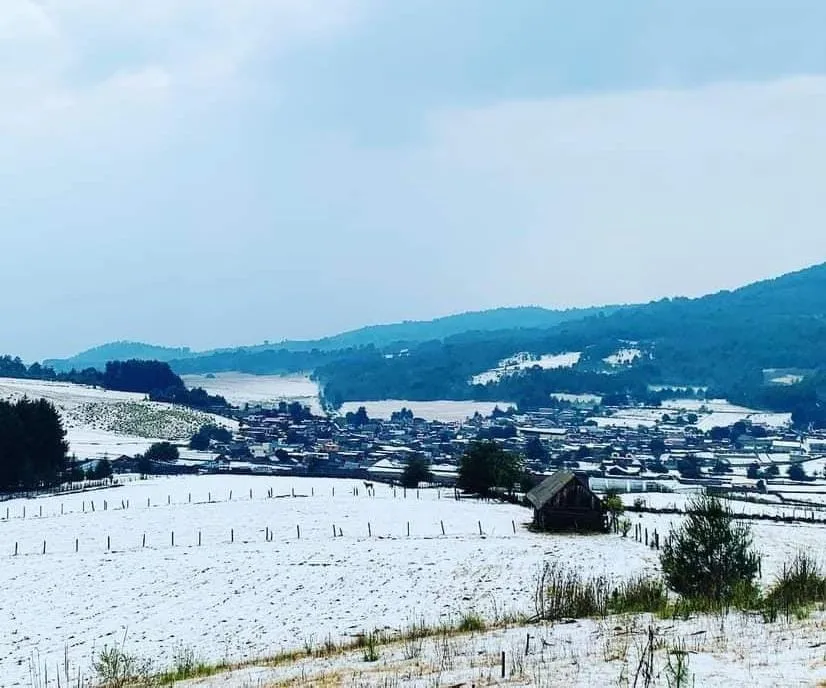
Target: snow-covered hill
x,y
105,423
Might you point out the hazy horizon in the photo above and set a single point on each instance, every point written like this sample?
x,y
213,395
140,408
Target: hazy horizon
x,y
184,345
223,174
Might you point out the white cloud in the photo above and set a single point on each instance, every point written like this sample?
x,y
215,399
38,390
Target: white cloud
x,y
652,192
81,63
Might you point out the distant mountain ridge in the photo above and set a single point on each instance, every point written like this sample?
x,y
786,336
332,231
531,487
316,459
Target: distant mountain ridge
x,y
408,332
723,342
99,356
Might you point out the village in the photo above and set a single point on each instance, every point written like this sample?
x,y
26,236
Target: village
x,y
668,449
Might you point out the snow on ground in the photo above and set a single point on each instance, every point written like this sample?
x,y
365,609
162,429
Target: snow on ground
x,y
251,597
106,423
623,357
734,650
583,399
523,361
446,411
242,388
787,379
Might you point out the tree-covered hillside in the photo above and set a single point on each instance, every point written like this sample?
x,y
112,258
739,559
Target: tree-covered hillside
x,y
275,358
723,341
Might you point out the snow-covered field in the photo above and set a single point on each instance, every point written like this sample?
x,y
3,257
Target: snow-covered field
x,y
736,650
252,597
623,357
105,423
523,361
583,399
446,411
241,388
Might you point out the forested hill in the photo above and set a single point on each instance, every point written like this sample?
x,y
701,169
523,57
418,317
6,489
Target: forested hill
x,y
99,356
729,342
725,341
264,358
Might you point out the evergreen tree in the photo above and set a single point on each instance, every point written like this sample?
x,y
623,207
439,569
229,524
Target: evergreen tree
x,y
711,554
416,471
486,465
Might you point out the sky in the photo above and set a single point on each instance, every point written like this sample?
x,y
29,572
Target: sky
x,y
207,173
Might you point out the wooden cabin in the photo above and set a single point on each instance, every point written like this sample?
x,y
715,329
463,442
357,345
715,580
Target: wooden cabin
x,y
564,501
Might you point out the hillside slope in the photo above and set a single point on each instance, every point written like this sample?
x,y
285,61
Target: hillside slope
x,y
724,341
265,358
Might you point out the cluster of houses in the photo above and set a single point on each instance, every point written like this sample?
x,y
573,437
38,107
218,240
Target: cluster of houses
x,y
663,455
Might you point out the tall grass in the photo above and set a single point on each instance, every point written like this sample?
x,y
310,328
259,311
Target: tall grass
x,y
566,594
800,585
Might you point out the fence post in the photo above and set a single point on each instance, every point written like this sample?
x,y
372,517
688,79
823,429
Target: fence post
x,y
334,530
173,538
480,527
442,523
298,531
503,664
108,543
77,545
199,538
513,523
44,547
369,530
15,549
408,529
232,535
143,542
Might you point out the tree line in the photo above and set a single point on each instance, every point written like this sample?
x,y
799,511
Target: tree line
x,y
33,447
155,379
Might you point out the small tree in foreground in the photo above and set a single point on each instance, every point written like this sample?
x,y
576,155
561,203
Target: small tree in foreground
x,y
415,472
710,556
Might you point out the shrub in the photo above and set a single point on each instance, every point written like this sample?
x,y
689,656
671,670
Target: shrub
x,y
370,649
114,668
565,594
471,622
710,554
640,594
801,583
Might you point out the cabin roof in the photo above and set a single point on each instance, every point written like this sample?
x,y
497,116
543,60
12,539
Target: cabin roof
x,y
549,488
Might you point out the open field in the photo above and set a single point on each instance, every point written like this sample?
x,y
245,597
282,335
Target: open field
x,y
241,388
248,598
445,411
269,576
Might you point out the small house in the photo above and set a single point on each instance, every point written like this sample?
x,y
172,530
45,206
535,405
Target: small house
x,y
563,501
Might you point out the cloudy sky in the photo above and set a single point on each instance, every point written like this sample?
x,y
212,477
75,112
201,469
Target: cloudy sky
x,y
211,173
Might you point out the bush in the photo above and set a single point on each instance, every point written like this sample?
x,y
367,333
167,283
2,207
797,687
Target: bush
x,y
114,668
801,583
710,555
640,594
471,622
565,594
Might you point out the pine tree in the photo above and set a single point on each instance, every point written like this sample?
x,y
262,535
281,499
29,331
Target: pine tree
x,y
711,554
